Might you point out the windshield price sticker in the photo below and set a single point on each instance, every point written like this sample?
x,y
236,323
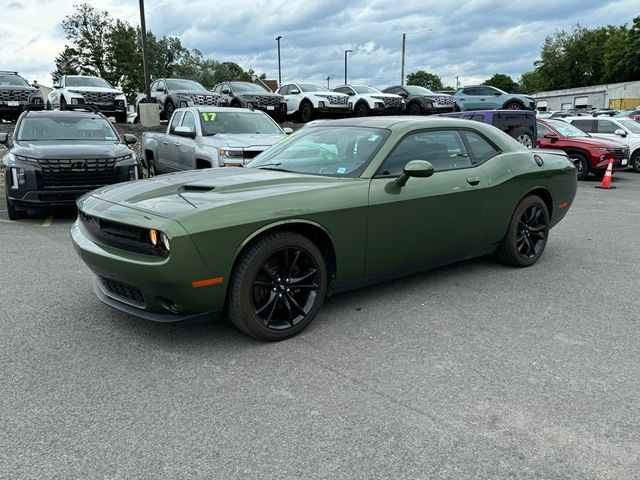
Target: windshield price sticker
x,y
209,116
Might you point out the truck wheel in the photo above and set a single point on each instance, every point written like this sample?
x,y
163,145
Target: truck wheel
x,y
581,163
169,107
152,171
12,212
513,106
361,110
414,109
63,103
305,112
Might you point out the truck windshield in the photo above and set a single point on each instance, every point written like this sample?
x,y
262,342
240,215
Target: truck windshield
x,y
415,90
179,84
365,89
214,123
66,127
87,82
12,80
247,87
332,151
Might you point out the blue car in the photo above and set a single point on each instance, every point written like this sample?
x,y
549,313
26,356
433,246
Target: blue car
x,y
484,97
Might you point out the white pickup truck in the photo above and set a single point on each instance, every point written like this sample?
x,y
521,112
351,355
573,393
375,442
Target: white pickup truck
x,y
206,137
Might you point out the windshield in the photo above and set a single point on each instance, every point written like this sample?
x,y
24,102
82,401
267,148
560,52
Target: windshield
x,y
312,87
333,151
365,89
87,82
66,127
13,80
631,125
415,90
184,85
247,87
238,122
566,129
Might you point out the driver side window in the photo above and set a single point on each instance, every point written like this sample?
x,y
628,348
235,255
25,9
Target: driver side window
x,y
189,121
444,149
175,121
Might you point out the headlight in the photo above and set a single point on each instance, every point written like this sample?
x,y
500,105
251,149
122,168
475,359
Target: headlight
x,y
36,100
226,153
158,240
18,177
77,101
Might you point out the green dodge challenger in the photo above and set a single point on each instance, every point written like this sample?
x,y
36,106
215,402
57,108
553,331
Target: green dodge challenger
x,y
335,206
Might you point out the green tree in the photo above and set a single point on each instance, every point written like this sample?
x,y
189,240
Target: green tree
x,y
530,82
66,64
503,82
425,79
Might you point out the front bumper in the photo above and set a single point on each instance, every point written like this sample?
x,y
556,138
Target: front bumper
x,y
163,285
45,198
7,110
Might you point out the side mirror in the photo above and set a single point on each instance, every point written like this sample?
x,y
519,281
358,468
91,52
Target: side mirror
x,y
56,86
620,132
497,94
295,91
415,168
287,130
185,132
4,138
226,91
130,139
550,136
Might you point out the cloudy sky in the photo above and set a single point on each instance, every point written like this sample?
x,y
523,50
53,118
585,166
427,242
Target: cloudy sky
x,y
472,39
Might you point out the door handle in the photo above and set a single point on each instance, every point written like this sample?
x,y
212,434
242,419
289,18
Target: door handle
x,y
177,144
165,142
473,180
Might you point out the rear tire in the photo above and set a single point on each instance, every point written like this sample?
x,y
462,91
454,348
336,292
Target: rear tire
x,y
514,106
527,234
524,136
277,286
305,112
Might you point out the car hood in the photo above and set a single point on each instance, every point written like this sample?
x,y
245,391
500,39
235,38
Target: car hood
x,y
242,140
179,195
193,92
327,94
258,94
17,88
39,150
94,89
596,142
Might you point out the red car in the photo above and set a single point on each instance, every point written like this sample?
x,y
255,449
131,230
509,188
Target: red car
x,y
588,154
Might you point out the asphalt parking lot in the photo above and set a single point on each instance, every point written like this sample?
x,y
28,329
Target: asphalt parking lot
x,y
473,371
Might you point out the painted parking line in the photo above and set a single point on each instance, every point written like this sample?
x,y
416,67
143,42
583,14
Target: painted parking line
x,y
47,221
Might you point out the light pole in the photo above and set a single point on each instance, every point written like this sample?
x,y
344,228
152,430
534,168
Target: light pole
x,y
145,62
345,65
279,68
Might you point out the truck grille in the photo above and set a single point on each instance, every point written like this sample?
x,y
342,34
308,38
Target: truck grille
x,y
203,99
392,102
619,153
444,100
14,95
122,290
269,100
338,99
91,172
97,98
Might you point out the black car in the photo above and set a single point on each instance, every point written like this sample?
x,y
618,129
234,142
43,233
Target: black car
x,y
56,156
422,101
251,95
172,93
15,95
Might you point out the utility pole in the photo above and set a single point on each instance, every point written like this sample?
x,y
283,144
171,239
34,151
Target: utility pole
x,y
145,61
328,78
279,67
404,39
345,65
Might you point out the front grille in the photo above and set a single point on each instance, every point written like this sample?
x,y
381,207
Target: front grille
x,y
97,98
118,235
251,153
394,102
619,153
122,290
338,99
203,99
14,95
269,100
66,172
444,100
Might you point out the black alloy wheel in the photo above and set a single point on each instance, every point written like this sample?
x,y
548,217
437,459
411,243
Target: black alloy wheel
x,y
635,162
277,286
169,108
527,235
361,110
12,212
513,106
414,109
306,111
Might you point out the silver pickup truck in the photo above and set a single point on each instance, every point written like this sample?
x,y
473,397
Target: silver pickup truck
x,y
206,137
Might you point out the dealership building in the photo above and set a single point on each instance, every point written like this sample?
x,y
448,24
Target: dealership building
x,y
624,95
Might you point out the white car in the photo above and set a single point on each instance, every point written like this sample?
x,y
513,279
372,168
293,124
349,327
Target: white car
x,y
76,90
365,100
624,130
308,99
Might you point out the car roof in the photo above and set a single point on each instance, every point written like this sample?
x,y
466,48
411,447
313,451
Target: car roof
x,y
393,121
206,108
62,113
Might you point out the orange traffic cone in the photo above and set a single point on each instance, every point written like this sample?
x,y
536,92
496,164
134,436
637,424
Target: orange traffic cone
x,y
606,180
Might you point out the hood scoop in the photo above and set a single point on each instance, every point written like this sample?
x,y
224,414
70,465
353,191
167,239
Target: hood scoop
x,y
195,188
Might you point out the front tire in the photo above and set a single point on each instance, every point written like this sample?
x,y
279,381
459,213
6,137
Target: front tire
x,y
152,170
581,163
12,212
361,110
277,287
169,108
635,162
305,112
527,234
514,106
414,109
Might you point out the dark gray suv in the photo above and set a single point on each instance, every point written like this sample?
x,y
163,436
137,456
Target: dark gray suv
x,y
15,95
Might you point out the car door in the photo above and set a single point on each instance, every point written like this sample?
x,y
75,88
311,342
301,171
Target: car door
x,y
432,220
168,159
469,99
606,128
488,98
293,97
186,146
